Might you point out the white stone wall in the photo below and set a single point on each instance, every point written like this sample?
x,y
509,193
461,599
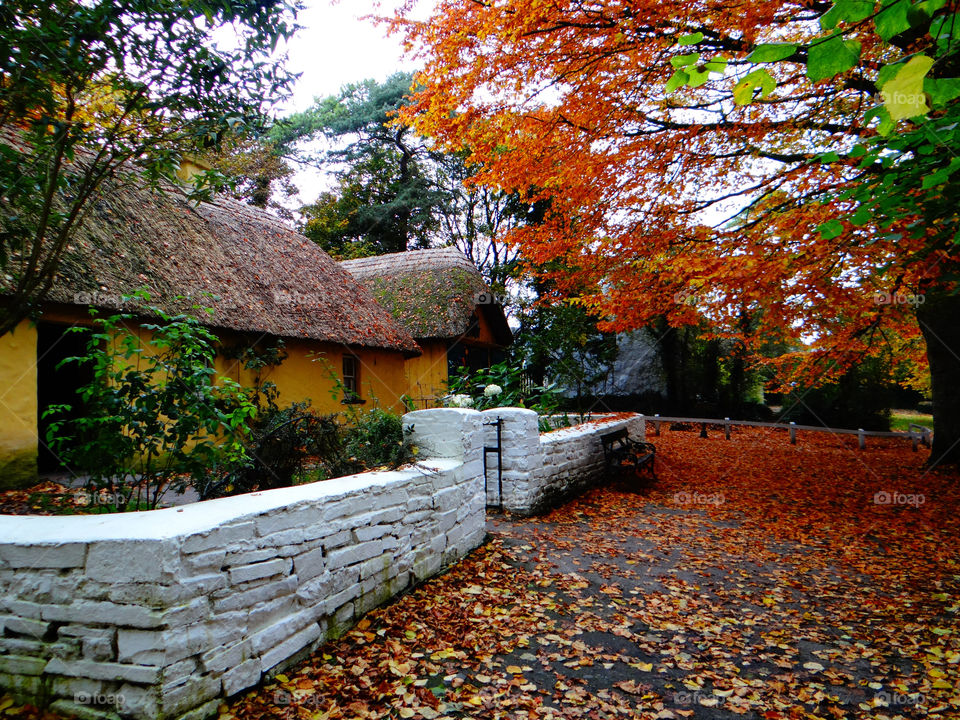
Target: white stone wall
x,y
540,471
161,613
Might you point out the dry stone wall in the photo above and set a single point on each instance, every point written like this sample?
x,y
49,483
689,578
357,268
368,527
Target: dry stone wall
x,y
159,614
541,470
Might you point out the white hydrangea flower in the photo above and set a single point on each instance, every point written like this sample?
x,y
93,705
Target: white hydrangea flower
x,y
492,390
459,401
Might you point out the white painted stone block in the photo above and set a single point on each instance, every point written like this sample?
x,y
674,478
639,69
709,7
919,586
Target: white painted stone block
x,y
104,613
271,611
142,647
191,694
290,646
206,561
445,432
204,584
309,564
301,517
248,557
21,665
231,599
140,702
140,674
313,592
219,659
260,570
220,537
278,632
241,677
353,554
53,555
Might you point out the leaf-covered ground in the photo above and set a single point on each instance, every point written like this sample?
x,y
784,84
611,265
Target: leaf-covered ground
x,y
755,580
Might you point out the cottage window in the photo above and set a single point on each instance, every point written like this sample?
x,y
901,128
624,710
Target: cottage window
x,y
351,379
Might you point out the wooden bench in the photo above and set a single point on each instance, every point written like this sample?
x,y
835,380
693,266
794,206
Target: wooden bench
x,y
622,454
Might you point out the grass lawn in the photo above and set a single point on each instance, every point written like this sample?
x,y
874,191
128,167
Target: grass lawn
x,y
901,419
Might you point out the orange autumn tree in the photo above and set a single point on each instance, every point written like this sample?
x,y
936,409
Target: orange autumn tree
x,y
686,181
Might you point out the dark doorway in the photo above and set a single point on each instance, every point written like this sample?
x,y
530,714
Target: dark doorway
x,y
58,385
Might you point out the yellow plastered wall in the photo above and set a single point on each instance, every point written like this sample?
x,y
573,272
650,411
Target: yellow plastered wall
x,y
18,407
308,370
427,374
306,373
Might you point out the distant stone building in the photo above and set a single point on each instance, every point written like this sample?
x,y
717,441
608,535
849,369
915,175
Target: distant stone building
x,y
638,369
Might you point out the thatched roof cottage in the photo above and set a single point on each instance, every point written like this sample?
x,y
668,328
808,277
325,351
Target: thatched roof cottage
x,y
441,299
260,279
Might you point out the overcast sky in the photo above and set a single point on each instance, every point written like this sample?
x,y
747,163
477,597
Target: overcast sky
x,y
337,47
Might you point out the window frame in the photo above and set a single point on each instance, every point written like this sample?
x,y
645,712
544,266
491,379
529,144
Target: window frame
x,y
351,381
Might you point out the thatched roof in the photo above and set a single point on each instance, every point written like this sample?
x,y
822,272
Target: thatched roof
x,y
434,293
261,276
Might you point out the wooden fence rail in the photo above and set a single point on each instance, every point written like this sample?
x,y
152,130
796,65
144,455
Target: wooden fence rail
x,y
916,434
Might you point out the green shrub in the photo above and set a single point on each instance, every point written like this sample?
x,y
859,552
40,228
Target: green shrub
x,y
375,439
514,389
156,415
281,440
860,398
278,445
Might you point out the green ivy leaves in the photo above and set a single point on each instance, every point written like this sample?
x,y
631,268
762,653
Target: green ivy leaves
x,y
846,11
771,52
743,91
904,95
906,90
691,39
831,57
691,70
892,18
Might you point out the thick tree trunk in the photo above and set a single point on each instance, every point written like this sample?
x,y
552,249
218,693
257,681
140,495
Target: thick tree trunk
x,y
939,318
672,356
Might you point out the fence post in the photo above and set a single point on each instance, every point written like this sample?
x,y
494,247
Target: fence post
x,y
861,440
726,428
703,430
656,424
914,441
793,433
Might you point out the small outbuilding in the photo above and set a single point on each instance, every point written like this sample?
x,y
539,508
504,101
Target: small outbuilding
x,y
442,300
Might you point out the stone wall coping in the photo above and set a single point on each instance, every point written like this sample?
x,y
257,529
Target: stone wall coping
x,y
201,517
586,428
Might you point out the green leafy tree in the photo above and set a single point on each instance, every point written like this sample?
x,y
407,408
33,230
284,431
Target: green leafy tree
x,y
255,169
906,174
384,196
475,218
92,89
560,344
378,206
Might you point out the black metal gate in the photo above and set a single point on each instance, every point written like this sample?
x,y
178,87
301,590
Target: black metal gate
x,y
498,449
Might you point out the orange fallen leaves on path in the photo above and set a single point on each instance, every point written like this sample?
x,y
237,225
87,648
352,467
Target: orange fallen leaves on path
x,y
756,579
